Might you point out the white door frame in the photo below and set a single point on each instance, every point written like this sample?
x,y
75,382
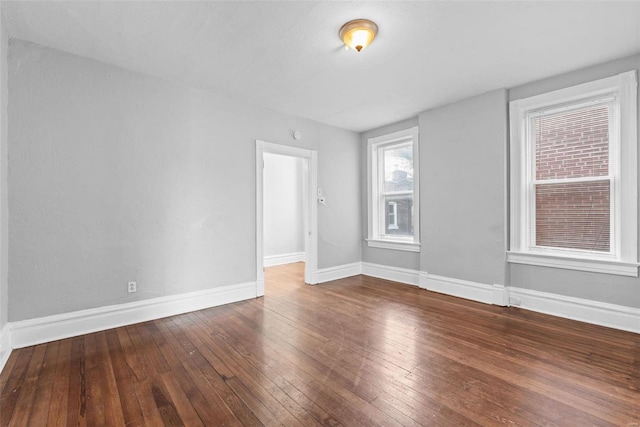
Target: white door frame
x,y
310,209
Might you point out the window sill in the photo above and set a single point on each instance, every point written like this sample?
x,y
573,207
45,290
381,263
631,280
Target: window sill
x,y
394,245
619,268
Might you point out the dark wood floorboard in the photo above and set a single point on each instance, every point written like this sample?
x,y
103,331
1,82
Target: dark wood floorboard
x,y
354,352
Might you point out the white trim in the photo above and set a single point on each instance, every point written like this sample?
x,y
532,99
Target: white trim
x,y
387,272
628,164
260,288
5,345
310,208
338,272
373,220
395,245
594,312
500,295
459,288
259,218
569,263
271,260
396,274
495,294
423,280
45,329
623,168
583,310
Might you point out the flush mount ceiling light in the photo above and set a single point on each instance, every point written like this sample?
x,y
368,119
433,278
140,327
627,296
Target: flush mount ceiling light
x,y
359,33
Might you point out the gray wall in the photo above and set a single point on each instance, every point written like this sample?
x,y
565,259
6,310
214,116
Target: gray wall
x,y
393,258
464,196
283,209
4,205
118,176
463,189
594,286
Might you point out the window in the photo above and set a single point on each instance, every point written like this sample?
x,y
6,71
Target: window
x,y
574,179
393,217
393,191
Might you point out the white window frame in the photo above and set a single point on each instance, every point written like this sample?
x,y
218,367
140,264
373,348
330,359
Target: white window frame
x,y
623,256
375,238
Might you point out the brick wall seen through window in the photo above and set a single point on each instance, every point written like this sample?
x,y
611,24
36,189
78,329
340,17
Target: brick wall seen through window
x,y
573,145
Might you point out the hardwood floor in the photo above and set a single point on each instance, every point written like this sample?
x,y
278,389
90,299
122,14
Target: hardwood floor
x,y
353,352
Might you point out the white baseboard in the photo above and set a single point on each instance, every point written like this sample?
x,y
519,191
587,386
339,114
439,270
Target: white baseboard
x,y
500,295
458,288
397,274
337,272
595,312
598,313
424,276
40,330
271,260
5,345
44,329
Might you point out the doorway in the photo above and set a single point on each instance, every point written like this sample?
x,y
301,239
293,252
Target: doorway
x,y
310,214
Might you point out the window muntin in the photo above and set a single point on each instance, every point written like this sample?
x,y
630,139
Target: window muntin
x,y
573,177
393,190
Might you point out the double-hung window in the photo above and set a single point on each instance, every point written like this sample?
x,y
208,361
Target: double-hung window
x,y
393,191
574,177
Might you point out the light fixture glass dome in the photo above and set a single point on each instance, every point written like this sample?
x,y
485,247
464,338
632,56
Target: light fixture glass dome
x,y
359,33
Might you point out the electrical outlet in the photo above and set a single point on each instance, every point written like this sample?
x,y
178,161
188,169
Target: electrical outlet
x,y
132,287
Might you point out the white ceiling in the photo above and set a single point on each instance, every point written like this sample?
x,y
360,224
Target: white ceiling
x,y
286,55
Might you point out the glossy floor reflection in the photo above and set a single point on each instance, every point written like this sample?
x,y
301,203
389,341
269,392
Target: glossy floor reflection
x,y
355,352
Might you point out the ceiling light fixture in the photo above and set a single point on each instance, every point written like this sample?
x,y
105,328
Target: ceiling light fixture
x,y
359,33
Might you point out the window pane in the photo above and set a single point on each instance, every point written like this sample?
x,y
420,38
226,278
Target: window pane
x,y
392,216
398,168
399,215
573,144
575,215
